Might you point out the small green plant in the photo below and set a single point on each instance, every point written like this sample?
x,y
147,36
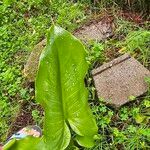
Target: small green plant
x,y
96,53
72,19
37,117
137,43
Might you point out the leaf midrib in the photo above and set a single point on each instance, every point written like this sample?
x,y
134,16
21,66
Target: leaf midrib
x,y
60,81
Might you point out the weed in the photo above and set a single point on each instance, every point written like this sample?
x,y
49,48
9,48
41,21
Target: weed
x,y
37,117
137,44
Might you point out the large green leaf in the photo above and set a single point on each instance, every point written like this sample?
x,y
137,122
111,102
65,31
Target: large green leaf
x,y
61,91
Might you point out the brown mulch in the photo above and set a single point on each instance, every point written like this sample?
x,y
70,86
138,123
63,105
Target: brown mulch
x,y
23,119
133,17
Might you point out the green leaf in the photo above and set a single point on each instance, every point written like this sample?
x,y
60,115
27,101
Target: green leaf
x,y
139,118
25,144
61,91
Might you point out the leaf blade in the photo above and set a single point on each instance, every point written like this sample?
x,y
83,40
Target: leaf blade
x,y
62,70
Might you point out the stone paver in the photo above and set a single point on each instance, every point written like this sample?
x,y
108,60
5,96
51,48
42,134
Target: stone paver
x,y
120,79
99,30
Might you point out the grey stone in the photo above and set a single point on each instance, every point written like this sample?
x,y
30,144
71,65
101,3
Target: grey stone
x,y
97,30
30,68
118,80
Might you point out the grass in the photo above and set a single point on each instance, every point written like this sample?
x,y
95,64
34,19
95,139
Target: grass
x,y
24,24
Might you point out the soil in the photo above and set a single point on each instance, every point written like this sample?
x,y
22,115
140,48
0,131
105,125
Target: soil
x,y
132,16
24,117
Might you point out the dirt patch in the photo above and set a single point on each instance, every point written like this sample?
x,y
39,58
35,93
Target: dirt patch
x,y
133,17
112,53
24,118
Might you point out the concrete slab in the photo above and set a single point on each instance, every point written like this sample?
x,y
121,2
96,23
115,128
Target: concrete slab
x,y
120,79
96,30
